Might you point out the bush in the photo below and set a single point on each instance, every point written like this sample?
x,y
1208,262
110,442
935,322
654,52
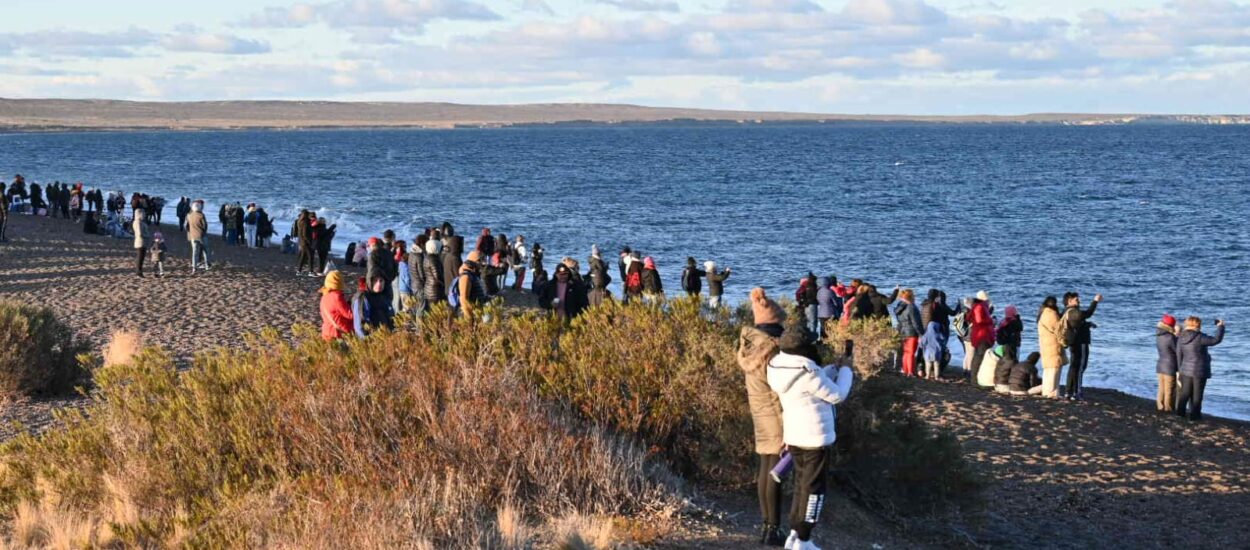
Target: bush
x,y
38,353
384,441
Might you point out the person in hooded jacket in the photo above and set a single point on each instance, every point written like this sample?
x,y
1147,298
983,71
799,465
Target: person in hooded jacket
x,y
453,251
981,331
435,289
1049,342
302,230
652,286
828,303
715,283
808,393
379,271
692,278
909,329
402,299
756,348
1165,367
622,262
932,344
1194,364
416,273
598,277
336,314
564,296
1023,379
805,298
1010,333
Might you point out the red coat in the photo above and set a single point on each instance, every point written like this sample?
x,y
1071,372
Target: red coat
x,y
982,325
336,315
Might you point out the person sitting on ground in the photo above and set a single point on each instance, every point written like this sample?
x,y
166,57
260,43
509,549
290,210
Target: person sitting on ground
x,y
1024,379
564,296
336,316
1194,362
1165,367
808,393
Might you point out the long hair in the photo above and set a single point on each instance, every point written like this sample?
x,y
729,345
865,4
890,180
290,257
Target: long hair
x,y
1051,303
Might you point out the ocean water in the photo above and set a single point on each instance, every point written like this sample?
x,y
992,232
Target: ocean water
x,y
1153,217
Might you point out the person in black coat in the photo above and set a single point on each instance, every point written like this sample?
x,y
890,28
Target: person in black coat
x,y
453,250
692,278
1194,362
1023,376
1010,333
564,296
1166,366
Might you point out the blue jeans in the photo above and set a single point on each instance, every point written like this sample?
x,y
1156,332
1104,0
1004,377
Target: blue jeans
x,y
813,322
232,237
198,248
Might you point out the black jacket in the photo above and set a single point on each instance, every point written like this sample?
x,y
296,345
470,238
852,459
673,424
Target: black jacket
x,y
1023,376
575,298
651,282
434,288
692,279
1078,322
598,275
1011,333
453,248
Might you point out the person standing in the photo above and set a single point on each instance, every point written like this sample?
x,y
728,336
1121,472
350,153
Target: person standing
x,y
520,259
652,286
336,316
633,277
249,225
828,303
1166,366
197,230
434,288
692,278
565,296
323,239
715,283
980,331
598,277
1076,332
909,329
1050,344
806,298
469,292
755,349
932,345
182,211
1194,360
1010,334
808,393
142,239
302,231
4,214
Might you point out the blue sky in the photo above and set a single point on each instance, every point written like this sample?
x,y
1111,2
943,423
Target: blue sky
x,y
837,56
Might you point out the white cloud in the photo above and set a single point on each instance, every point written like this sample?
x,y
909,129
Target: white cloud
x,y
537,6
643,5
213,43
372,18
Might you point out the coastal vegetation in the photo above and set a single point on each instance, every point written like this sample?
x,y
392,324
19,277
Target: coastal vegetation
x,y
38,352
501,433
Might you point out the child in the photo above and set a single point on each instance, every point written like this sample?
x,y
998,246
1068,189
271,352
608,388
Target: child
x,y
158,253
932,343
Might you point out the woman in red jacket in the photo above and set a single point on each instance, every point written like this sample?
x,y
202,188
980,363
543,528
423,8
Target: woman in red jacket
x,y
981,330
336,315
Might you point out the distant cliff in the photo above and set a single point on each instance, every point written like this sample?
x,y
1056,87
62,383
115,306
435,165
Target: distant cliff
x,y
62,114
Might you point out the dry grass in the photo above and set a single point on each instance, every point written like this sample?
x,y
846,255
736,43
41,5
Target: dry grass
x,y
122,348
38,352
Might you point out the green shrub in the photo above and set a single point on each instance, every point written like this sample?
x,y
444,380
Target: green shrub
x,y
38,353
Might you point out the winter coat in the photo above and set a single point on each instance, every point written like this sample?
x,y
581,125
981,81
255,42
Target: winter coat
x,y
826,300
1011,332
1023,376
1048,339
453,250
1078,321
379,266
434,287
716,282
908,320
933,342
197,226
1191,352
403,278
416,272
755,350
598,276
939,313
807,393
651,283
575,297
692,279
1165,341
981,323
336,316
142,233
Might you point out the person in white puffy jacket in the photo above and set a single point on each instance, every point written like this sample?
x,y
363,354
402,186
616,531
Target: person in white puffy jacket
x,y
808,393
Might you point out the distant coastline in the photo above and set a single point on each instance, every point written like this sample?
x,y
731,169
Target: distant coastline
x,y
60,115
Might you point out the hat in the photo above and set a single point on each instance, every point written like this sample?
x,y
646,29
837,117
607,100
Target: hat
x,y
983,296
1169,320
594,250
433,247
334,281
374,241
648,263
1012,312
709,265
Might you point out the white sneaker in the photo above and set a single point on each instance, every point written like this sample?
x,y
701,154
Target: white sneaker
x,y
792,540
806,545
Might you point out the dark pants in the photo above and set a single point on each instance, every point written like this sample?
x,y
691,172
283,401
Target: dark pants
x,y
143,253
1191,391
1011,351
322,255
1076,369
305,258
978,356
769,490
811,466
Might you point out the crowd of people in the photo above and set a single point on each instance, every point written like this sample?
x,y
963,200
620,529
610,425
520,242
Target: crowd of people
x,y
792,395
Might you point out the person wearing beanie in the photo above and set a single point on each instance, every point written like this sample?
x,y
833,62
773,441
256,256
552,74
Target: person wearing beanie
x,y
1010,334
336,315
652,287
565,296
434,287
715,283
767,315
1165,367
756,348
599,278
808,393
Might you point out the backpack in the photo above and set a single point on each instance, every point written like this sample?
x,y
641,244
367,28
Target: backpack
x,y
453,294
1064,333
961,324
633,281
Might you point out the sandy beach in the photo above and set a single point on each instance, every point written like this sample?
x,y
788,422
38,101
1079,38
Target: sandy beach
x,y
1089,474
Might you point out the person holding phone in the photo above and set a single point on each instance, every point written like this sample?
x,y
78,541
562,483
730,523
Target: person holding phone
x,y
1194,360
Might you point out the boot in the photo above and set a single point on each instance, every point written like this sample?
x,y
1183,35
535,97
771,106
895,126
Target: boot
x,y
770,535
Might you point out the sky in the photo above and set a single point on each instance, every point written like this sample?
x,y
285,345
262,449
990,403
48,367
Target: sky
x,y
943,57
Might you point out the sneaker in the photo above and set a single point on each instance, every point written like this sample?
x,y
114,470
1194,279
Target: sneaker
x,y
806,545
792,541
